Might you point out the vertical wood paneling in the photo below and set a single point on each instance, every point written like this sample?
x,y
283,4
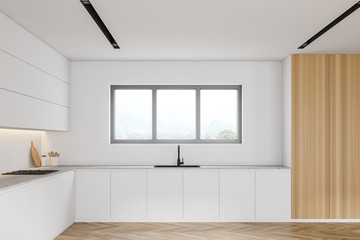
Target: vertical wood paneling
x,y
310,136
345,136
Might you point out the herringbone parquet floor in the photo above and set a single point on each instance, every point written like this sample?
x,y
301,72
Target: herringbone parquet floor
x,y
210,231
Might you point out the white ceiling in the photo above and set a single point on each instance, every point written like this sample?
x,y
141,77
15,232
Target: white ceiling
x,y
188,29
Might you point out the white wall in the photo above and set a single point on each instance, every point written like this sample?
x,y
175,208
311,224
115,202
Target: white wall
x,y
15,148
286,112
34,93
88,141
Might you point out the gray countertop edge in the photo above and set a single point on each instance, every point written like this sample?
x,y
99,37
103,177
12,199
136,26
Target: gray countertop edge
x,y
12,182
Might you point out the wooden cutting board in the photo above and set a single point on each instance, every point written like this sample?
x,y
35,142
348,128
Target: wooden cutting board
x,y
35,155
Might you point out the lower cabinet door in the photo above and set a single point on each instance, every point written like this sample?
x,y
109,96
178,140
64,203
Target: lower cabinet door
x,y
237,194
164,191
201,195
273,194
38,211
128,195
92,195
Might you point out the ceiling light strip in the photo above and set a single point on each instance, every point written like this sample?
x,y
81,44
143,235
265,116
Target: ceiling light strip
x,y
91,10
331,25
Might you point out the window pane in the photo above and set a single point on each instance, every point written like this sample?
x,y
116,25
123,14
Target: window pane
x,y
133,114
218,114
176,114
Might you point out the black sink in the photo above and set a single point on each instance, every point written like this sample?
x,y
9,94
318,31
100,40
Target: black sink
x,y
176,166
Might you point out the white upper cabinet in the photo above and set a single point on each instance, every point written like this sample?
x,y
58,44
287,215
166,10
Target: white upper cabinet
x,y
20,43
34,81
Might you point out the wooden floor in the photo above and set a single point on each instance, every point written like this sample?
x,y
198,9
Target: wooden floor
x,y
188,231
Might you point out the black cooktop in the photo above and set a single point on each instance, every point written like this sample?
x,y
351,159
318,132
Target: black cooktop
x,y
30,172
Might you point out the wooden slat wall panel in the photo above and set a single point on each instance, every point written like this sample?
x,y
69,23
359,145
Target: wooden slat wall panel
x,y
345,136
310,136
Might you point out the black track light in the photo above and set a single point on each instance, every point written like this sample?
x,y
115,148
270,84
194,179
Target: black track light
x,y
91,10
331,25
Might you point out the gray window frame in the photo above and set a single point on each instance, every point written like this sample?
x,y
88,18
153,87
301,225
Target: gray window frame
x,y
197,88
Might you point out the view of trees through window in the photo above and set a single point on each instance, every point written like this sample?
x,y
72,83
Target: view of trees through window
x,y
175,113
218,109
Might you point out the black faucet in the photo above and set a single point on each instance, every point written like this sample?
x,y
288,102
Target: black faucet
x,y
179,162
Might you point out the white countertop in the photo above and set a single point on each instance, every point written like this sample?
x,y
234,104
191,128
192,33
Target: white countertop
x,y
201,167
9,182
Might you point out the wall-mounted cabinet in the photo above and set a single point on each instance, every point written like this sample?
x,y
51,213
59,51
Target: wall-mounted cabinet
x,y
325,136
34,81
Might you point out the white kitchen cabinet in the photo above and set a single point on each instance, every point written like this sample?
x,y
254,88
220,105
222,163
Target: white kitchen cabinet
x,y
273,194
164,191
34,81
40,210
237,194
22,44
92,195
201,194
23,78
20,111
128,195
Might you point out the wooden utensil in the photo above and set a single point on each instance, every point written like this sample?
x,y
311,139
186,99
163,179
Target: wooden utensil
x,y
35,155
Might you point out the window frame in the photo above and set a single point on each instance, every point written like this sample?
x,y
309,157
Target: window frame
x,y
197,89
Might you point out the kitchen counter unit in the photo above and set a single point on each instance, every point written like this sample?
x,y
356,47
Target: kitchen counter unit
x,y
119,193
183,194
37,207
8,182
11,182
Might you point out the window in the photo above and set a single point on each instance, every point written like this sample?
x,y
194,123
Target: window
x,y
218,114
133,114
176,114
